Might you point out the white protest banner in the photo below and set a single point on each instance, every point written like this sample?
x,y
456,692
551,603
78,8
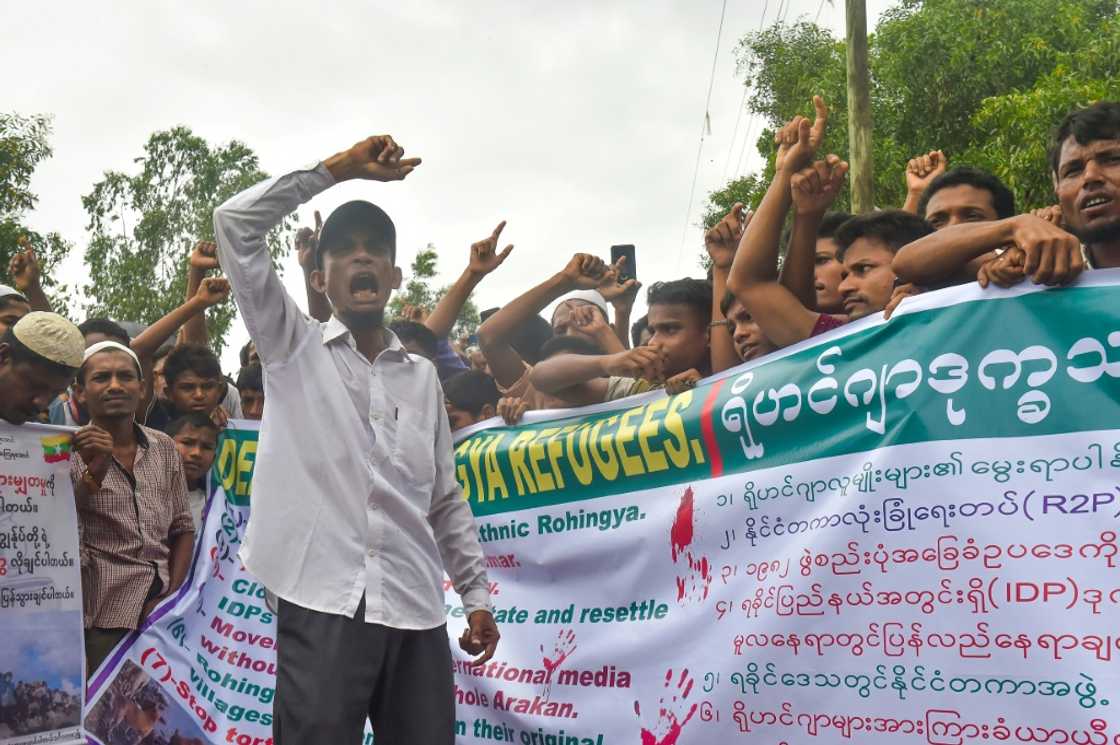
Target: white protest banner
x,y
41,645
898,532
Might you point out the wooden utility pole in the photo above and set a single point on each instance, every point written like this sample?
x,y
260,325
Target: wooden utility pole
x,y
859,108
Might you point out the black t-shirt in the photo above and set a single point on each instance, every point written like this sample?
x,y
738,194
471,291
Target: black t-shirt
x,y
161,414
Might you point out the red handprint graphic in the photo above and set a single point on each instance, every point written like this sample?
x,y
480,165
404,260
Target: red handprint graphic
x,y
562,648
694,585
670,706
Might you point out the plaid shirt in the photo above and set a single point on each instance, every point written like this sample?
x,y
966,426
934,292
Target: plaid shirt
x,y
126,530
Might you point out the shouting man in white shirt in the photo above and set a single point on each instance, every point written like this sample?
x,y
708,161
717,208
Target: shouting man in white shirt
x,y
356,510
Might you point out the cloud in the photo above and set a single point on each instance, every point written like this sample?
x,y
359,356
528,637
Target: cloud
x,y
576,122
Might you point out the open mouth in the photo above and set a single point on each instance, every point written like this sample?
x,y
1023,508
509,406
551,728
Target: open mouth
x,y
1095,203
363,287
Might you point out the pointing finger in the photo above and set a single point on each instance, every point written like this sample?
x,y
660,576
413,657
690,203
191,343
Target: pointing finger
x,y
822,118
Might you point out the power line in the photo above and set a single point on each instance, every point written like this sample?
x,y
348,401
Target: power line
x,y
819,9
750,122
704,128
739,113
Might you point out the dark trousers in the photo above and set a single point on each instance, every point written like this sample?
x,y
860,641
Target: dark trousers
x,y
332,672
99,643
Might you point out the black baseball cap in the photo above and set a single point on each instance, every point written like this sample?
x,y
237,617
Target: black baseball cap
x,y
356,215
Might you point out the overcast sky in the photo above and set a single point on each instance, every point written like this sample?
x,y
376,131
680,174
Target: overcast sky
x,y
577,122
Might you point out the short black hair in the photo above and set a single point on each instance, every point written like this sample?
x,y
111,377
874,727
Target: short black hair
x,y
569,345
640,327
727,301
471,390
250,378
191,358
1002,199
357,216
195,419
243,355
22,354
417,332
1101,121
528,338
7,300
895,228
830,222
105,327
695,293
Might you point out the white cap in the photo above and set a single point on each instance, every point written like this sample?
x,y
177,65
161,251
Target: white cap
x,y
6,291
111,346
52,337
588,297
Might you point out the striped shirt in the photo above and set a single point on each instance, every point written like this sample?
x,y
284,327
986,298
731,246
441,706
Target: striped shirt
x,y
126,529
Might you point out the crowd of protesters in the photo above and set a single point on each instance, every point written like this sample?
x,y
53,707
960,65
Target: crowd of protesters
x,y
148,407
27,708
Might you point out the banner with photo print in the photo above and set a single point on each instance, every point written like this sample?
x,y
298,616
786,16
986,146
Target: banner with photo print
x,y
41,647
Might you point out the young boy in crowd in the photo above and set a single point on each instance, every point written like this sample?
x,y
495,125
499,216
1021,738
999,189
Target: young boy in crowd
x,y
746,335
195,383
469,397
250,388
196,439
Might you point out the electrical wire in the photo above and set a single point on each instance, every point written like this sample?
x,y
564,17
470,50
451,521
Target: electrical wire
x,y
703,130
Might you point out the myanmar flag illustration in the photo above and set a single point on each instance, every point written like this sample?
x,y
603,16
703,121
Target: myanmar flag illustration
x,y
56,448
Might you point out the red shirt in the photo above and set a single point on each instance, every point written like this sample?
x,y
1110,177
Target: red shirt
x,y
826,323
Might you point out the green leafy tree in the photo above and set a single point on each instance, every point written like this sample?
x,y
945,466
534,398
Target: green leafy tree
x,y
24,143
984,81
419,292
143,225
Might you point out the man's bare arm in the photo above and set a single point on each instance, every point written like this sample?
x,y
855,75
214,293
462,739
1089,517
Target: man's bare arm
x,y
484,258
26,276
583,271
1053,256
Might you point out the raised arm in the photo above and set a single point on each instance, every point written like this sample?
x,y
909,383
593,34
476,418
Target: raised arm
x,y
203,260
583,272
241,225
811,200
484,259
211,292
753,278
920,172
27,277
621,296
556,374
307,243
1052,256
721,242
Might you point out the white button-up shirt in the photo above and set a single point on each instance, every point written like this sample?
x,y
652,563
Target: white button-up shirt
x,y
354,489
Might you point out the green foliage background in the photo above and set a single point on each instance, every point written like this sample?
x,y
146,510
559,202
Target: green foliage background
x,y
143,225
986,81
